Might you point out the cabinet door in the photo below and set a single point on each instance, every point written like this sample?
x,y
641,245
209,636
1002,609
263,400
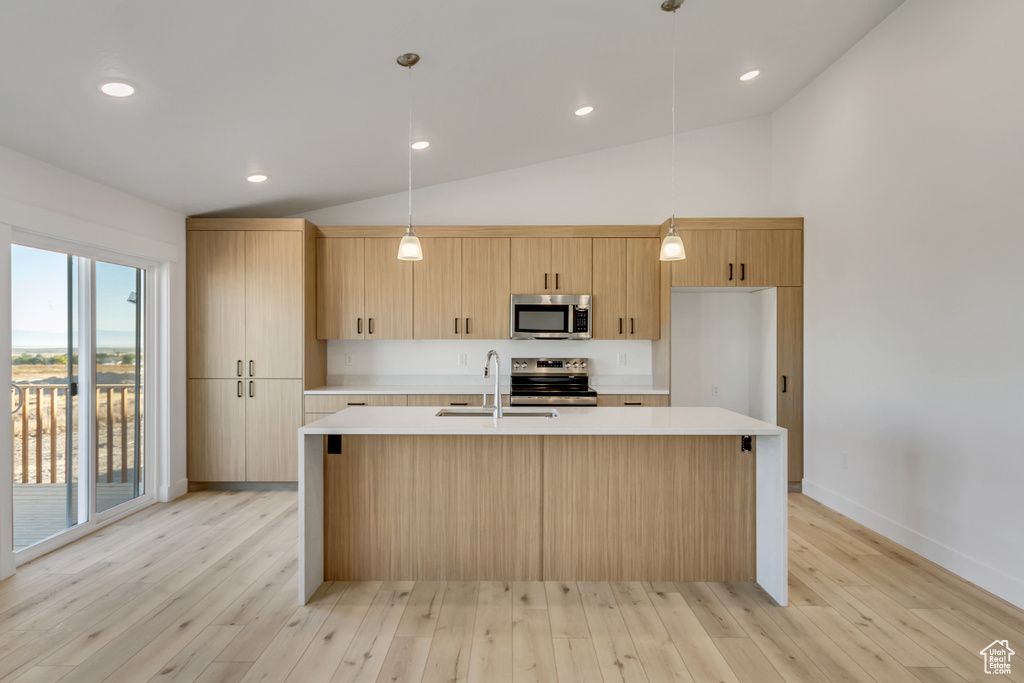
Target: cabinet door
x,y
340,282
791,376
608,314
572,264
216,430
437,289
531,265
273,414
273,304
643,290
215,283
486,288
633,400
770,258
470,400
332,403
388,290
710,259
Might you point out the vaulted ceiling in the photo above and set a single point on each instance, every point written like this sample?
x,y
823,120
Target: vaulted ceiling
x,y
308,91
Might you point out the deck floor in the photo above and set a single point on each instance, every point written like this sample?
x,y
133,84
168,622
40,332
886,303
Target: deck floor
x,y
204,589
40,509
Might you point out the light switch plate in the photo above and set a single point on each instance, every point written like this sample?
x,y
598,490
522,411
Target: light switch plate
x,y
463,359
622,359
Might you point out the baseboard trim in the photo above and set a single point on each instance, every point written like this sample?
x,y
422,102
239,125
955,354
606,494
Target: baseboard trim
x,y
176,490
243,486
985,576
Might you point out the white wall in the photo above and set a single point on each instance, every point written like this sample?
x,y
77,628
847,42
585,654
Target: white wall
x,y
720,171
724,341
40,198
906,158
437,361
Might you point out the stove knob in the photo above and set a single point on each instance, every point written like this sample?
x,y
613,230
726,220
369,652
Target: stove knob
x,y
515,366
575,365
583,365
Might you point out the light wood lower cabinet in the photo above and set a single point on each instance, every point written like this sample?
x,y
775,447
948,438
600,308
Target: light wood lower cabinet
x,y
790,391
243,430
469,400
639,400
332,403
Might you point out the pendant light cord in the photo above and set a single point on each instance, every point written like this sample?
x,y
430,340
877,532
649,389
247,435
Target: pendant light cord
x,y
410,146
673,207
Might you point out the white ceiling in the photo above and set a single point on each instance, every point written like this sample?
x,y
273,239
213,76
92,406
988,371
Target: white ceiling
x,y
308,91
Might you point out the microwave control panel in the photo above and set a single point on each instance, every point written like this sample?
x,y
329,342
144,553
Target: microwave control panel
x,y
581,322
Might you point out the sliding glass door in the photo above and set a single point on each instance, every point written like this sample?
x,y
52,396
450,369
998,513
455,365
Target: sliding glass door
x,y
78,394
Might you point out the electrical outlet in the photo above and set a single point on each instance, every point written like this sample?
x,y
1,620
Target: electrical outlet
x,y
463,359
349,359
714,390
622,359
842,461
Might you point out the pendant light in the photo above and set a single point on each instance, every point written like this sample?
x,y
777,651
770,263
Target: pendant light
x,y
672,246
409,249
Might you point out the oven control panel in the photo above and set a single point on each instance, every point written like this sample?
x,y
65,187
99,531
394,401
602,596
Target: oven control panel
x,y
549,366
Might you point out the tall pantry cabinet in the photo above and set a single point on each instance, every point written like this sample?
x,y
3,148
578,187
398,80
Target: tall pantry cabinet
x,y
252,350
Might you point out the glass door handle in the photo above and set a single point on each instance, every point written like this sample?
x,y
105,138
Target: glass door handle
x,y
21,397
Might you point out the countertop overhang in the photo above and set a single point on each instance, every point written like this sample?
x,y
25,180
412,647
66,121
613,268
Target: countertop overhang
x,y
570,421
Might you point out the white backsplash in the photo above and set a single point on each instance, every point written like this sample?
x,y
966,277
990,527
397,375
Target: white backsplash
x,y
437,360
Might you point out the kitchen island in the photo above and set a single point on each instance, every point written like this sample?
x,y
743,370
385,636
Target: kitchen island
x,y
594,494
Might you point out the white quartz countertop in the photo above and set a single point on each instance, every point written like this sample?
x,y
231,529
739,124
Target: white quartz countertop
x,y
570,420
385,389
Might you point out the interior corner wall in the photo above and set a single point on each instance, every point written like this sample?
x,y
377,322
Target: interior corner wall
x,y
906,158
720,171
41,198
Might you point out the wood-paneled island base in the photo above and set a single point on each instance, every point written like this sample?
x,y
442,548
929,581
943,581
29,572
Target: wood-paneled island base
x,y
595,494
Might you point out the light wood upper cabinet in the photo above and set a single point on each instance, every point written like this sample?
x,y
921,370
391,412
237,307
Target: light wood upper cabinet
x,y
790,392
388,290
340,288
740,258
215,284
273,304
437,288
709,262
627,276
363,290
486,291
543,265
462,288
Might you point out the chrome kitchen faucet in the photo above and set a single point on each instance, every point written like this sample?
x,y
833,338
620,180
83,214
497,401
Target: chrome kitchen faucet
x,y
497,381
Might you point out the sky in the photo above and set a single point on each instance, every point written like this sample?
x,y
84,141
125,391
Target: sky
x,y
39,300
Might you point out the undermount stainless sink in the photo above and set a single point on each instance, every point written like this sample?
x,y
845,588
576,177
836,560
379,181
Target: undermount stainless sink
x,y
508,412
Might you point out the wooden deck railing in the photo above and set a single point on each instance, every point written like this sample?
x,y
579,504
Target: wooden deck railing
x,y
40,427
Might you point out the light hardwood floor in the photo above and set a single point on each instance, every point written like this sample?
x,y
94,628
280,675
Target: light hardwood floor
x,y
204,589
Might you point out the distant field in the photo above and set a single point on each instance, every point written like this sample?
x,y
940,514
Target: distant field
x,y
35,373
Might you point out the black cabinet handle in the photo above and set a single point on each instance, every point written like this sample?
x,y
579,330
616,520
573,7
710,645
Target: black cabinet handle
x,y
456,326
632,325
359,325
459,404
467,326
239,386
783,384
730,272
251,392
239,369
556,280
369,325
545,280
743,272
252,368
620,325
358,404
632,403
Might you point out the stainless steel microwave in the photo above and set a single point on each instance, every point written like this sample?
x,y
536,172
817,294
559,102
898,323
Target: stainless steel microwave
x,y
550,316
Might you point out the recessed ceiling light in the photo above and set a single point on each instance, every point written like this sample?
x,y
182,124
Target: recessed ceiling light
x,y
257,178
750,75
583,111
421,144
117,89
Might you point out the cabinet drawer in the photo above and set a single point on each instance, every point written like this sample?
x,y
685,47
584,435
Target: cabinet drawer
x,y
634,400
332,403
313,417
470,400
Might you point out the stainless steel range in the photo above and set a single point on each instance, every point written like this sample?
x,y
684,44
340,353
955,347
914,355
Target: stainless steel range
x,y
551,382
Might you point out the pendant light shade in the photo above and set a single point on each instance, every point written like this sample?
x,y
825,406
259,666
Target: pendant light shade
x,y
409,249
672,246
